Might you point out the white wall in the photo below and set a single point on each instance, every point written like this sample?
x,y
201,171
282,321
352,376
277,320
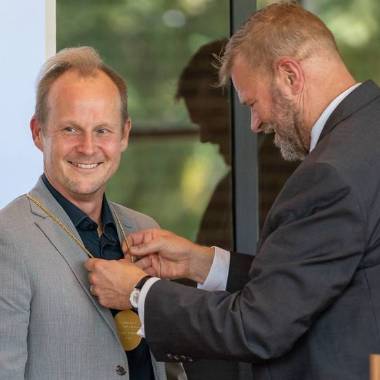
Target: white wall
x,y
27,34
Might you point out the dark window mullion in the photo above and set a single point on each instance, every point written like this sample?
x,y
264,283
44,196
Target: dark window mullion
x,y
244,147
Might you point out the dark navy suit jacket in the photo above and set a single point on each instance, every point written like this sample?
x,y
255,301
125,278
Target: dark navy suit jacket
x,y
308,306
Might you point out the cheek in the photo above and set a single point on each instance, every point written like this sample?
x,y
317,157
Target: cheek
x,y
270,115
59,149
113,149
262,111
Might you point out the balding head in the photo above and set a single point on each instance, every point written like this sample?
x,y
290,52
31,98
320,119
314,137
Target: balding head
x,y
86,62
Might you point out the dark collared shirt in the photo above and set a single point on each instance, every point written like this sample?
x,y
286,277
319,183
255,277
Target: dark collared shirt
x,y
107,247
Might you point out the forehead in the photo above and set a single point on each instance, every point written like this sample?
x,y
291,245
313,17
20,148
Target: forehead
x,y
246,79
73,84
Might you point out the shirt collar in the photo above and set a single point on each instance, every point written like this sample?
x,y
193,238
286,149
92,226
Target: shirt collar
x,y
78,217
320,123
109,227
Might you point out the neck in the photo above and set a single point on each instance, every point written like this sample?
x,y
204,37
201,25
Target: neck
x,y
324,88
90,204
93,207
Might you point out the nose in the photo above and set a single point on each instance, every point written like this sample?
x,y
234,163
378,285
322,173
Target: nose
x,y
256,122
87,144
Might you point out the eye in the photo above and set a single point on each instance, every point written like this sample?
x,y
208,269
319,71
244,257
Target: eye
x,y
70,130
102,131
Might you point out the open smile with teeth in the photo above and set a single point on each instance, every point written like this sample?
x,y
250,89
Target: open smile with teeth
x,y
85,166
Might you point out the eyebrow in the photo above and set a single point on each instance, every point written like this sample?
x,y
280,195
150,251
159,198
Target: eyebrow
x,y
242,101
247,102
74,124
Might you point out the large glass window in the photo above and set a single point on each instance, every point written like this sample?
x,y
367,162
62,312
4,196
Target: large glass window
x,y
177,166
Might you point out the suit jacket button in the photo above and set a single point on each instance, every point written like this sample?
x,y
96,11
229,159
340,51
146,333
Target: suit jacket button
x,y
120,370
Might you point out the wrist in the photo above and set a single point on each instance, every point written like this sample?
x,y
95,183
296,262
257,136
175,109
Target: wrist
x,y
135,294
200,263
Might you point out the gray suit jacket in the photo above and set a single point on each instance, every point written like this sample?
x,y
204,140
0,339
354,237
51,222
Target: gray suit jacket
x,y
308,306
51,327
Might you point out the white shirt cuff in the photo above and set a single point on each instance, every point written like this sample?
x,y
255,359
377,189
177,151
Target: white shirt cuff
x,y
216,280
141,304
218,275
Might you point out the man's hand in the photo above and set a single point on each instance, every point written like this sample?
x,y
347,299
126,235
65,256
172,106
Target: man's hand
x,y
112,281
164,254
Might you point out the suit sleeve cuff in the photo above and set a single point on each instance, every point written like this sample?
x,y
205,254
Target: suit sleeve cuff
x,y
141,303
218,275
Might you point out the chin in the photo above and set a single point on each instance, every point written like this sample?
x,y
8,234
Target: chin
x,y
86,189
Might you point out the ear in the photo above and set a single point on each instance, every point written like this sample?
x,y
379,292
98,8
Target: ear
x,y
290,74
36,129
125,134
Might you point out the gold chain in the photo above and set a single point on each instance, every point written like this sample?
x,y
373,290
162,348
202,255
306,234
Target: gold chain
x,y
57,221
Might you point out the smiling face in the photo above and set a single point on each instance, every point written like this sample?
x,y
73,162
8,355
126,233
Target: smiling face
x,y
83,137
271,109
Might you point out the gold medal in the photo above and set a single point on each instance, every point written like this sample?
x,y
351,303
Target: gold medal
x,y
127,325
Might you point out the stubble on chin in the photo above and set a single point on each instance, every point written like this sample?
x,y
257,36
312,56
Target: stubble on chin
x,y
267,128
82,188
289,151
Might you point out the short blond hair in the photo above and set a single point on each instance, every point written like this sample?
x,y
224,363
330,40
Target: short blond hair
x,y
280,29
86,61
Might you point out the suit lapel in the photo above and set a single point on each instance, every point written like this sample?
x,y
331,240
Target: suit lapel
x,y
358,99
124,225
70,251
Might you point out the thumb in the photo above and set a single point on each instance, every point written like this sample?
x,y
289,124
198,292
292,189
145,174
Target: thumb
x,y
90,264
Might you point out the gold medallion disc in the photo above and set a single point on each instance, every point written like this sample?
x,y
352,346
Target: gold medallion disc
x,y
127,325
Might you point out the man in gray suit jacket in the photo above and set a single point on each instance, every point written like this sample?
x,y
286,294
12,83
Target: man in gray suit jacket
x,y
307,307
51,327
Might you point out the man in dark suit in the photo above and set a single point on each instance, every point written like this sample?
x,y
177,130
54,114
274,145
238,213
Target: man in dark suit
x,y
307,307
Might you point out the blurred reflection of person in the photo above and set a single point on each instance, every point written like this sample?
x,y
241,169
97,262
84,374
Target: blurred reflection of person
x,y
208,107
